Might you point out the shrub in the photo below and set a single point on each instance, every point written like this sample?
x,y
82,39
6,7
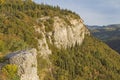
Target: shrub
x,y
49,25
10,72
2,46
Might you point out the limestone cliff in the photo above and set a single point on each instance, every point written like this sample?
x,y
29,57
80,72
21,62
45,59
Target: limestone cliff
x,y
62,34
52,31
26,62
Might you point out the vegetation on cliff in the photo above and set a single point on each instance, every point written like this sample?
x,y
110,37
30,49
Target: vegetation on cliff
x,y
93,60
9,72
17,19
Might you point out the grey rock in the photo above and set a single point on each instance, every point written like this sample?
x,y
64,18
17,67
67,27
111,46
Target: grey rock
x,y
27,63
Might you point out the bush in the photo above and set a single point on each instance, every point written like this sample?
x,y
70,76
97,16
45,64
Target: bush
x,y
2,46
49,25
10,72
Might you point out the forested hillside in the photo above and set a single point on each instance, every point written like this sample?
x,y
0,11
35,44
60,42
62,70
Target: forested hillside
x,y
25,24
92,60
110,34
17,19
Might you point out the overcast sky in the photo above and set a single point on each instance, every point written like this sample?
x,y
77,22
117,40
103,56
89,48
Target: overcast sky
x,y
93,12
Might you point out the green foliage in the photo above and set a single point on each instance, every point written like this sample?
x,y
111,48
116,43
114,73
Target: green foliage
x,y
2,59
16,29
109,34
15,45
10,72
2,46
11,43
42,66
92,60
18,18
42,63
49,25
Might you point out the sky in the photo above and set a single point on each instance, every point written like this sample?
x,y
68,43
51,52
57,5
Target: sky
x,y
93,12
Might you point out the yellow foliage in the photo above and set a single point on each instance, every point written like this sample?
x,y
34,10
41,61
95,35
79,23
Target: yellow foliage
x,y
2,1
10,70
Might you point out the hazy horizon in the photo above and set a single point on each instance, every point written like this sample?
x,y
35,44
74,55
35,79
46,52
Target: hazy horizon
x,y
95,12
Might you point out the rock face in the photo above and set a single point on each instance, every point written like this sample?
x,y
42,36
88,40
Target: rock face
x,y
42,43
27,63
62,34
68,35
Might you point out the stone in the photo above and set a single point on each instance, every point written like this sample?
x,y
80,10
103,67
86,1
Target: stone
x,y
26,61
63,35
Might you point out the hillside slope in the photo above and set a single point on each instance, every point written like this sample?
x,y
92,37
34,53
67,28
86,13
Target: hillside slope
x,y
109,34
92,60
65,48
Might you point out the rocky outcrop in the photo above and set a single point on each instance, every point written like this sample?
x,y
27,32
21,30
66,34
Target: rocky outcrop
x,y
63,34
27,63
67,35
43,48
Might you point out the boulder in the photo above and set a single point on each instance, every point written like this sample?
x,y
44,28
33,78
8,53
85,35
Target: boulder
x,y
27,63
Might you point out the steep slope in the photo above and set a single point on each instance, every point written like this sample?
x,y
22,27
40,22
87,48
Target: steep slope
x,y
92,60
66,49
109,34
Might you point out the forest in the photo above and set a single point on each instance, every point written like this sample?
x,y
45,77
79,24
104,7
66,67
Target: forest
x,y
93,60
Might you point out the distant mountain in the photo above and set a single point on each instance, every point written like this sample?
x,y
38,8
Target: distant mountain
x,y
110,34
